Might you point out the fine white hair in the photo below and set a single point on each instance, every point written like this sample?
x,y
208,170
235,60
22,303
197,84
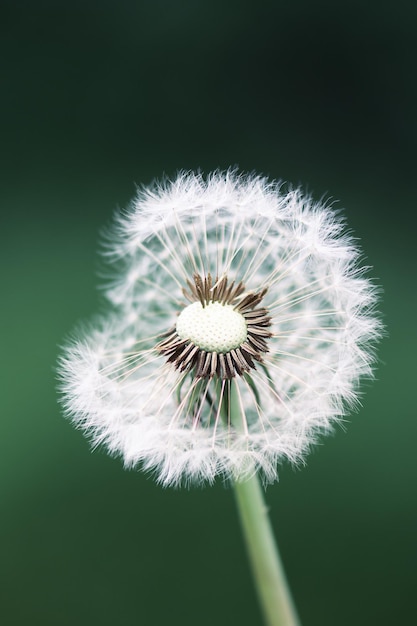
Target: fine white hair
x,y
122,391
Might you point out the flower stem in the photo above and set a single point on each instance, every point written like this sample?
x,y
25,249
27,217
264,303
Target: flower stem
x,y
272,587
273,591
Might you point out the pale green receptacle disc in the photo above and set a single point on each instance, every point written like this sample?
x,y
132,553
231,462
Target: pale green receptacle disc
x,y
214,328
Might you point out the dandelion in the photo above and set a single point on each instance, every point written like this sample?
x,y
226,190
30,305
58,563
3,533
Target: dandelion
x,y
239,327
227,290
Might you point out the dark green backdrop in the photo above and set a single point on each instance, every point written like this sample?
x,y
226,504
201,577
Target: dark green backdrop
x,y
98,96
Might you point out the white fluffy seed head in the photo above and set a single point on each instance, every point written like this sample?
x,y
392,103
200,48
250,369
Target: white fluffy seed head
x,y
125,394
215,327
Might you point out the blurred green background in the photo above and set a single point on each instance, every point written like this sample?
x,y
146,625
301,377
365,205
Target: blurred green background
x,y
99,96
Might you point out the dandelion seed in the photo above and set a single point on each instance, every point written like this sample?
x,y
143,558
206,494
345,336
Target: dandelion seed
x,y
225,286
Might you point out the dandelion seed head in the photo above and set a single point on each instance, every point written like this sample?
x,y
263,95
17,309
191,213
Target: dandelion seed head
x,y
224,285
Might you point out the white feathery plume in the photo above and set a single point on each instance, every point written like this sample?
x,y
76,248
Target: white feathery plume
x,y
225,284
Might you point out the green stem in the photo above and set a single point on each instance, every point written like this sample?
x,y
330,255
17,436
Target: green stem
x,y
272,587
273,591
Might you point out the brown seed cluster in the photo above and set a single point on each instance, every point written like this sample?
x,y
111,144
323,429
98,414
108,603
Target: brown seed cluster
x,y
186,356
